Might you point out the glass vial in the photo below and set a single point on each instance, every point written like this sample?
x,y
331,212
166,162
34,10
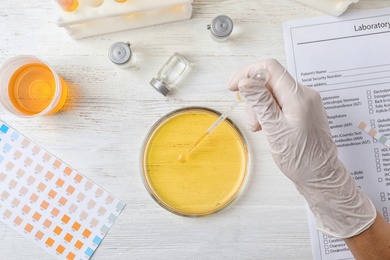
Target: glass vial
x,y
220,28
68,5
121,55
171,73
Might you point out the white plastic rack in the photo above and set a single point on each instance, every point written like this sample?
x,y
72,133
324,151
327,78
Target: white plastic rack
x,y
112,16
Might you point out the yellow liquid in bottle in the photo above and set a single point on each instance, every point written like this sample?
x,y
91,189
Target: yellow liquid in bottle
x,y
32,88
209,178
68,5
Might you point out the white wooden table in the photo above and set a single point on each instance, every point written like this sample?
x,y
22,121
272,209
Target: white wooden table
x,y
109,111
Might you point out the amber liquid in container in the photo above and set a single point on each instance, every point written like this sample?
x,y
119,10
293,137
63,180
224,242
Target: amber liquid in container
x,y
68,5
30,87
210,177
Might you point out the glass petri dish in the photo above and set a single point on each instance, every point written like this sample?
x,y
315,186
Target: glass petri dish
x,y
209,178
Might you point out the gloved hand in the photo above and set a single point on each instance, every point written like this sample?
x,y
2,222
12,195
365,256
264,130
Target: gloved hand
x,y
295,124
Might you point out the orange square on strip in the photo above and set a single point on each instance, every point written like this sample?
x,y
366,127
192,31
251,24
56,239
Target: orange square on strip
x,y
63,201
87,233
70,189
60,249
65,219
55,212
39,235
26,209
79,244
37,216
372,132
57,163
18,220
57,230
60,182
68,237
49,242
44,204
76,226
34,197
68,171
70,256
28,227
362,125
47,223
49,175
52,194
78,178
41,187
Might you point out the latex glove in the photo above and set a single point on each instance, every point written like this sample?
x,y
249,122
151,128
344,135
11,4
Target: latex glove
x,y
296,127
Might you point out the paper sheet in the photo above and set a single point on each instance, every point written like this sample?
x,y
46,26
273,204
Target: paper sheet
x,y
49,202
348,61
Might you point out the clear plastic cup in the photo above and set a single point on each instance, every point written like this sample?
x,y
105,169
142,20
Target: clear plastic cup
x,y
30,87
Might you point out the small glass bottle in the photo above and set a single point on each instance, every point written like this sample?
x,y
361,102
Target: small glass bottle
x,y
221,27
171,73
121,55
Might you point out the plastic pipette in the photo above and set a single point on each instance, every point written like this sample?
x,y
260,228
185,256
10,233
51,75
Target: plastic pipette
x,y
220,119
262,76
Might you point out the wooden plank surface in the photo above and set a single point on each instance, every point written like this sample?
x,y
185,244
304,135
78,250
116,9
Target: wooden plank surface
x,y
109,111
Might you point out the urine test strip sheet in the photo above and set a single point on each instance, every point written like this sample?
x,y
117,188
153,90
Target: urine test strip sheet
x,y
49,202
347,60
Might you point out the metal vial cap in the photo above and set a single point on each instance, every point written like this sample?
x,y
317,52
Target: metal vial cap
x,y
120,53
221,26
159,86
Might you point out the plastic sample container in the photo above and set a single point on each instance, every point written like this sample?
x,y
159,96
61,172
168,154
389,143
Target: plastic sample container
x,y
90,19
30,87
331,7
210,178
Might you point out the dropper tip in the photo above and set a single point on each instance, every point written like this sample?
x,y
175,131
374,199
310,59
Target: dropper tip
x,y
181,158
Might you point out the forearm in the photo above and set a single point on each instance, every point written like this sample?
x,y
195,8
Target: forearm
x,y
373,243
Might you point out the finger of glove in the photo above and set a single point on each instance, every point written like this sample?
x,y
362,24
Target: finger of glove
x,y
251,119
249,71
280,83
261,101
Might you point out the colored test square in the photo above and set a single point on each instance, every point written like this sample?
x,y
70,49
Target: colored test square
x,y
15,136
76,226
104,229
87,233
112,218
383,139
362,125
4,128
65,219
78,244
89,252
57,230
55,212
120,206
68,171
7,147
97,240
68,237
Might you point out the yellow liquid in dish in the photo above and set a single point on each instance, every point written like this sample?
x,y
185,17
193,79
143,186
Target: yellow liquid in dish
x,y
32,88
209,178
